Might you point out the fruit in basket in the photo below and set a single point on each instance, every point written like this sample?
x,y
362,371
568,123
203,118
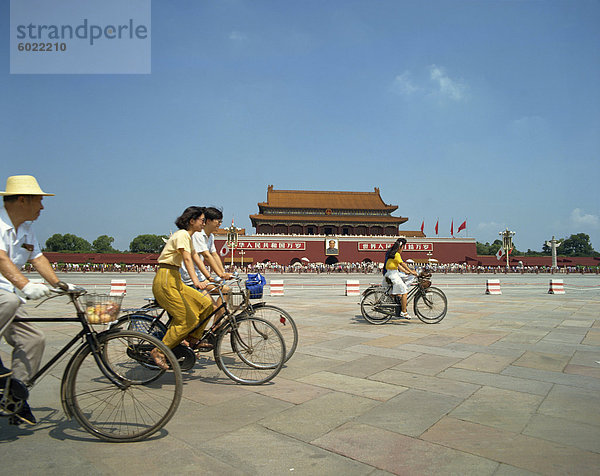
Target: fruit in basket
x,y
102,313
92,315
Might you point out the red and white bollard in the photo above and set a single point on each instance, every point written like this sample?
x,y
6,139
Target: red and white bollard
x,y
492,286
352,287
276,287
557,286
118,287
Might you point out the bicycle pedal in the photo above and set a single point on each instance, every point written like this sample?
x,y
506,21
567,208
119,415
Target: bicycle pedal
x,y
16,389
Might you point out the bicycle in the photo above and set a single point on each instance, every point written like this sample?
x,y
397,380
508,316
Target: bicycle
x,y
111,384
248,349
274,314
430,304
277,316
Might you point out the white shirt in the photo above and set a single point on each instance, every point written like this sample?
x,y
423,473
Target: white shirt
x,y
202,242
20,245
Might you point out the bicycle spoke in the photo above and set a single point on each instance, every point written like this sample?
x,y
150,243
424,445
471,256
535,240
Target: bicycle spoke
x,y
252,352
140,407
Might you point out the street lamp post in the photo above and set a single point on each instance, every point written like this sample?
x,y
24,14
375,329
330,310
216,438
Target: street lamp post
x,y
507,243
232,240
242,253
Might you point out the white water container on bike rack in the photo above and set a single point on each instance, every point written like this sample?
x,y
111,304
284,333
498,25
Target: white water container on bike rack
x,y
352,287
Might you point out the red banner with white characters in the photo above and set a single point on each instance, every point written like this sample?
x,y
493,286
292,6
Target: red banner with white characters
x,y
374,246
272,245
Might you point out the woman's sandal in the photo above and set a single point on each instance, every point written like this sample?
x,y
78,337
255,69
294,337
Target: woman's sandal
x,y
190,341
159,359
204,346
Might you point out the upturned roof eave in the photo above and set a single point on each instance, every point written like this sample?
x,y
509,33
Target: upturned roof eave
x,y
337,218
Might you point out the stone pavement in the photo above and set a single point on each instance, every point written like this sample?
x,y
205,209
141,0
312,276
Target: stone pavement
x,y
503,385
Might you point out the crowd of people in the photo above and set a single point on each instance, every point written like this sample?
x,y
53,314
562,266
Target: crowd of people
x,y
320,268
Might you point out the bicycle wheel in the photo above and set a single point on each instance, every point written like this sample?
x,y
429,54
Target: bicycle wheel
x,y
431,305
142,322
250,350
114,394
377,307
150,325
280,319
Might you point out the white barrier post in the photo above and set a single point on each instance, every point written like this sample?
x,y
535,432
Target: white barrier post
x,y
557,286
118,287
276,287
492,286
352,287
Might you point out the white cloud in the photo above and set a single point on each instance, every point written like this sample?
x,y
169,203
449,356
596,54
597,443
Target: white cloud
x,y
237,36
491,226
403,85
528,126
580,218
446,86
433,82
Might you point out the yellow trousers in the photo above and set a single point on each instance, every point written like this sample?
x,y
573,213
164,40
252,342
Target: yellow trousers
x,y
186,305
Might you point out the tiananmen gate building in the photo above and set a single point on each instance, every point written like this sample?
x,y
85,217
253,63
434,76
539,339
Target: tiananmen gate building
x,y
330,227
299,226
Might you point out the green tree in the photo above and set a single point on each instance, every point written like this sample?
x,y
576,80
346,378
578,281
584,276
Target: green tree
x,y
69,243
103,244
147,244
547,250
577,245
487,249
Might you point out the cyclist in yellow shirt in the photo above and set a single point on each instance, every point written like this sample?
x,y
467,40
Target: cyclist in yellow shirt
x,y
398,272
186,305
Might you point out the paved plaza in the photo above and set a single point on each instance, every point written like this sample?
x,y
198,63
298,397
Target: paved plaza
x,y
504,385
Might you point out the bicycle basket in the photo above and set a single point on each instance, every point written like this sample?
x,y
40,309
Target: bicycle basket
x,y
238,297
255,285
424,283
102,308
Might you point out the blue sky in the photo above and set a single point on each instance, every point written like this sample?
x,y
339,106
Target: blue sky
x,y
485,111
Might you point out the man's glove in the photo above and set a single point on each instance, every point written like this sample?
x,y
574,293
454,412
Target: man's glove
x,y
66,286
35,290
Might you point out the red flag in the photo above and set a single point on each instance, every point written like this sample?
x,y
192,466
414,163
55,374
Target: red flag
x,y
452,228
436,226
462,226
422,226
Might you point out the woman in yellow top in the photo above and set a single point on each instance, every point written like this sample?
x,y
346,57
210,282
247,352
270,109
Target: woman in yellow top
x,y
398,272
186,305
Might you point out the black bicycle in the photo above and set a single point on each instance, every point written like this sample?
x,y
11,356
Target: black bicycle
x,y
249,349
111,384
430,304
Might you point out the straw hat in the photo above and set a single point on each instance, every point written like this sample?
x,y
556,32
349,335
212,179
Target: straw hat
x,y
23,185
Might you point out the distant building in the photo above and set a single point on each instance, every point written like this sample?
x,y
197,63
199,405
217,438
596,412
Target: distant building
x,y
304,212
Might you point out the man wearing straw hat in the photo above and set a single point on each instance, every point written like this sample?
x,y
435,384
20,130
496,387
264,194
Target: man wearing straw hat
x,y
18,244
